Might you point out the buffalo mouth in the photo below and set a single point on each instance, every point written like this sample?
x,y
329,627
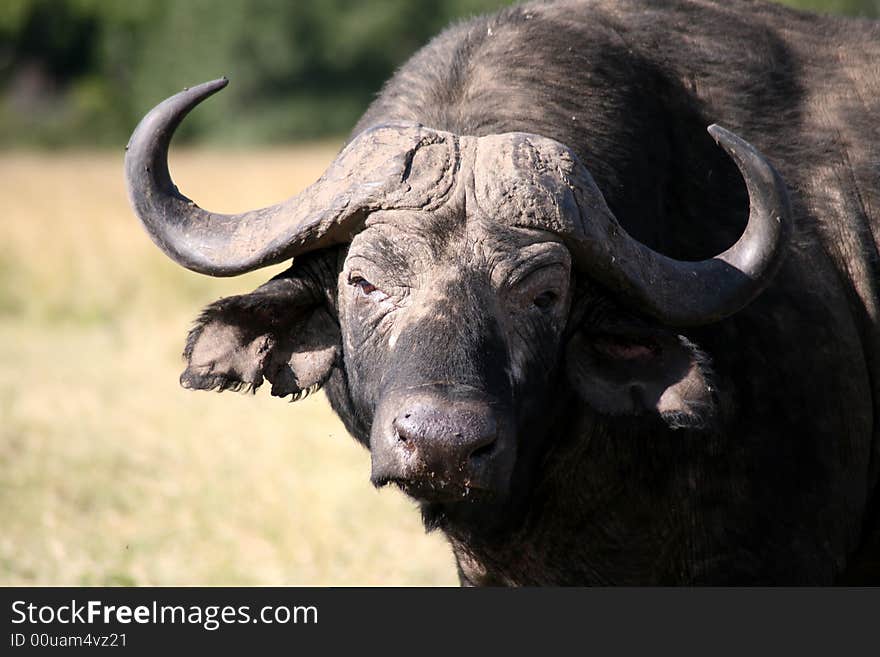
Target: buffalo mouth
x,y
481,479
439,490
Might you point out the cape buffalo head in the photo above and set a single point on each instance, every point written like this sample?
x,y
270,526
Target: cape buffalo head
x,y
445,285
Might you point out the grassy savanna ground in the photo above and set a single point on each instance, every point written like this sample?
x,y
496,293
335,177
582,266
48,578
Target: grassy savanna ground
x,y
112,474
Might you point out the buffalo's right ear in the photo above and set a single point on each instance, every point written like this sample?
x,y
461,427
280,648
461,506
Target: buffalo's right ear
x,y
283,332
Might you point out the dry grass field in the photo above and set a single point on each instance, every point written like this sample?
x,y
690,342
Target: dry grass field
x,y
112,474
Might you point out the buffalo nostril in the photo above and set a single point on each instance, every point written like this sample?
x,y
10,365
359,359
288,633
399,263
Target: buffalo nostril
x,y
483,451
406,438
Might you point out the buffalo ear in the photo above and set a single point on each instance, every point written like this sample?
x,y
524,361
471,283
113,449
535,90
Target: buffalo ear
x,y
281,332
651,371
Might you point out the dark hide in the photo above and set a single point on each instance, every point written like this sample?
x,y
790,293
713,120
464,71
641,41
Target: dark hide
x,y
741,452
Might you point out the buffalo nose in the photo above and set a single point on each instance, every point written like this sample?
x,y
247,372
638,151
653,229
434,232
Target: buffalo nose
x,y
439,438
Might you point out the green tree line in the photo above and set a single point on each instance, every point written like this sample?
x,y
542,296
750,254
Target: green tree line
x,y
82,72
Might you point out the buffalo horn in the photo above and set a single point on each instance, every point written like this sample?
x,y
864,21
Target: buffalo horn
x,y
375,171
684,293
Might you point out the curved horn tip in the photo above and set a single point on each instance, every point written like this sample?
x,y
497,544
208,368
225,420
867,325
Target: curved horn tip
x,y
151,191
173,109
732,279
716,130
728,140
751,163
199,92
212,85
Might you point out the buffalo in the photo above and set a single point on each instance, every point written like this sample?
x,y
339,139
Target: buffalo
x,y
596,342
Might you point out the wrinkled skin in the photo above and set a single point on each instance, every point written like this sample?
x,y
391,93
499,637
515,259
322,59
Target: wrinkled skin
x,y
588,443
478,315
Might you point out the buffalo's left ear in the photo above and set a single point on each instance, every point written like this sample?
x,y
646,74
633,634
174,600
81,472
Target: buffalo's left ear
x,y
283,332
643,371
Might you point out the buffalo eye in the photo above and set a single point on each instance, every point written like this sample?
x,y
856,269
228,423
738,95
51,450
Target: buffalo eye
x,y
546,300
362,284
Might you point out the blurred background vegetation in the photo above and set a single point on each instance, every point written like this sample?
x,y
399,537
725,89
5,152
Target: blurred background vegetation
x,y
82,72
